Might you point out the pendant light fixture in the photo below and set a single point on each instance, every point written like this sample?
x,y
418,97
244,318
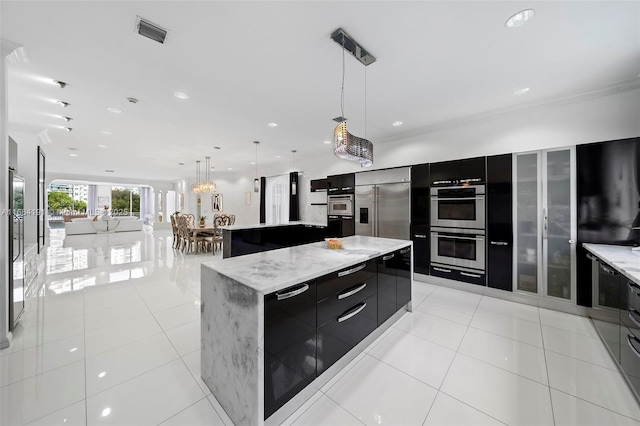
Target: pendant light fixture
x,y
256,181
207,187
196,186
346,145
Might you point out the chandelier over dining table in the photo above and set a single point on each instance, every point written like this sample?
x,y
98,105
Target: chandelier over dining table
x,y
208,186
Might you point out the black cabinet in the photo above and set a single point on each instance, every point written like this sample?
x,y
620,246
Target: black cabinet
x,y
630,333
341,184
387,287
341,334
246,241
347,311
341,226
290,344
468,170
319,185
420,219
500,222
403,267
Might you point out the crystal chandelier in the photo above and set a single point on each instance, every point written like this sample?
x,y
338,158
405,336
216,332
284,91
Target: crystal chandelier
x,y
346,145
208,186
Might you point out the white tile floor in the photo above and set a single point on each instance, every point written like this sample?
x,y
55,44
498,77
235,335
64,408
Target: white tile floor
x,y
113,338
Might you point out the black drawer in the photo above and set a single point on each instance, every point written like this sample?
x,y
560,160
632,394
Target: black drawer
x,y
478,278
386,287
341,301
290,343
339,335
330,285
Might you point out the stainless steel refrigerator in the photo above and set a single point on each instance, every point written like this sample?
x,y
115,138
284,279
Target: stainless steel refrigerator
x,y
16,248
383,210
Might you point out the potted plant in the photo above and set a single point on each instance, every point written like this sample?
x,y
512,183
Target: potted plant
x,y
202,219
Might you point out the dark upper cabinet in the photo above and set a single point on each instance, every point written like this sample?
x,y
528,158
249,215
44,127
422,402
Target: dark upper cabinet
x,y
290,344
420,206
499,226
341,184
448,173
319,185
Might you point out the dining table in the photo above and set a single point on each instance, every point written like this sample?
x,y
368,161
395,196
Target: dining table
x,y
207,229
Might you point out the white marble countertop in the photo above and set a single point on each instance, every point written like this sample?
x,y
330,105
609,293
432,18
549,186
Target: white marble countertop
x,y
271,225
274,270
621,258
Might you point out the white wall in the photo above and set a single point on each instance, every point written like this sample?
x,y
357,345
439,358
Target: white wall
x,y
28,169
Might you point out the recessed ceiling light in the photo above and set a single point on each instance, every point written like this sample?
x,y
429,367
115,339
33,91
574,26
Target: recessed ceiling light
x,y
73,155
101,375
102,146
253,162
521,91
68,129
229,168
63,104
106,132
328,142
106,412
108,171
72,149
181,95
114,110
67,119
277,156
132,100
397,123
60,84
216,147
520,18
181,164
272,124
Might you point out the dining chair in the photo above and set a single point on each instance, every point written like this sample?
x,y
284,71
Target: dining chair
x,y
218,221
174,227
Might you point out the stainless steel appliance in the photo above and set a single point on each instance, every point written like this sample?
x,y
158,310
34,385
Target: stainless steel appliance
x,y
383,210
16,248
458,248
340,205
458,206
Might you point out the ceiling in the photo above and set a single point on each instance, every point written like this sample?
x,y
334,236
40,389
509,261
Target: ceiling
x,y
248,63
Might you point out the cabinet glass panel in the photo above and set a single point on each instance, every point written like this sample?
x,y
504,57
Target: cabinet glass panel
x,y
558,223
527,222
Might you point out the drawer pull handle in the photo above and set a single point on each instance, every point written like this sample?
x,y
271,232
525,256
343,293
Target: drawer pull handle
x,y
420,235
466,274
634,288
352,312
352,271
405,250
632,315
292,293
608,270
387,257
499,243
435,268
630,339
351,291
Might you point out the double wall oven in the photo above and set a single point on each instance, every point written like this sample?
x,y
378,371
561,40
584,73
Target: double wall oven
x,y
458,233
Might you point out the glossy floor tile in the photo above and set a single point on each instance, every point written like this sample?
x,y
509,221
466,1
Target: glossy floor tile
x,y
505,396
113,337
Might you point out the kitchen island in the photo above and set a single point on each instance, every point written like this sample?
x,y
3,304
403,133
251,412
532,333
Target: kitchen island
x,y
278,324
238,240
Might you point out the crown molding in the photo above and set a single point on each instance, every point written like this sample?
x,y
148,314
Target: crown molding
x,y
619,87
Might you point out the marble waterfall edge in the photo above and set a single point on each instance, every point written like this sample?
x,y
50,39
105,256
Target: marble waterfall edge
x,y
232,342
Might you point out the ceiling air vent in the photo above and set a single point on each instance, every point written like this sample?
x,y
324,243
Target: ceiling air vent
x,y
149,30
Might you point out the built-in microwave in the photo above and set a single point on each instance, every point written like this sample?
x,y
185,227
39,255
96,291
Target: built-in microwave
x,y
340,205
458,247
458,207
